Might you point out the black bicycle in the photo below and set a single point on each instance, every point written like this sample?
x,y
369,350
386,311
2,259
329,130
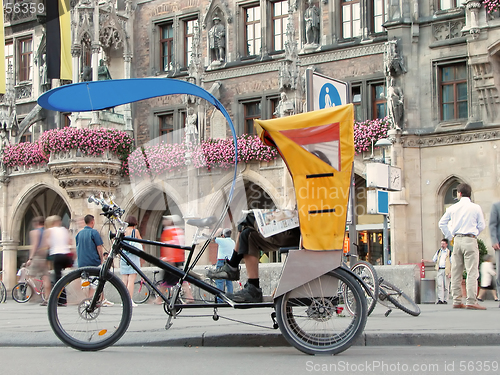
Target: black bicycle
x,y
311,316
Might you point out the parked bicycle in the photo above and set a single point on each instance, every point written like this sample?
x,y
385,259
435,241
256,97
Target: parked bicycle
x,y
24,291
386,293
3,291
392,297
142,291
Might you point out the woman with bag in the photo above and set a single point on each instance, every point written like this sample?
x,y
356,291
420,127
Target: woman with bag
x,y
128,273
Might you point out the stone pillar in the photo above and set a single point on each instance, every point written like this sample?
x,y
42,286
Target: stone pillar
x,y
76,52
9,263
127,63
398,204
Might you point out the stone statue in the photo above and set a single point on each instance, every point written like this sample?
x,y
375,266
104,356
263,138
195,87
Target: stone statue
x,y
393,61
191,129
311,17
395,104
285,107
103,71
43,70
87,74
217,40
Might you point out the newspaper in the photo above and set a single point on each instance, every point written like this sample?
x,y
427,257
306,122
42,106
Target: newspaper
x,y
271,222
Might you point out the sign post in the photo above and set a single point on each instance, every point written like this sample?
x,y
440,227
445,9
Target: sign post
x,y
324,92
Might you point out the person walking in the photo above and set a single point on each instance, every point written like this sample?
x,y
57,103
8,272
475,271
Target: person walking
x,y
58,241
494,227
488,280
225,251
174,235
443,268
37,261
463,222
128,273
89,248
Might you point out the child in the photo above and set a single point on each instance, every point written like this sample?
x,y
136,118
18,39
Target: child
x,y
22,273
488,281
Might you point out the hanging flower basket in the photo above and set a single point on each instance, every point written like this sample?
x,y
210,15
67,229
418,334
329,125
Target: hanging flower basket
x,y
370,130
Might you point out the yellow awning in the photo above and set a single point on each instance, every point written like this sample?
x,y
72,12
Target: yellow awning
x,y
318,149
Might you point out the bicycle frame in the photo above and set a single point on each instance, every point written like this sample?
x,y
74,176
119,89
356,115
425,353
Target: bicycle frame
x,y
120,244
32,282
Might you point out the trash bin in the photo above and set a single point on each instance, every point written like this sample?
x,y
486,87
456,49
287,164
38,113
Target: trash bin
x,y
427,290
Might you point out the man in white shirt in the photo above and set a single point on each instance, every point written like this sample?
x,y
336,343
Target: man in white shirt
x,y
443,268
463,222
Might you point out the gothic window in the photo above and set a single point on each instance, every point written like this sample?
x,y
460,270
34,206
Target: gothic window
x,y
166,46
274,105
189,34
448,4
25,59
453,91
170,125
252,30
26,137
379,15
279,23
252,110
356,101
379,101
9,55
65,120
166,122
351,19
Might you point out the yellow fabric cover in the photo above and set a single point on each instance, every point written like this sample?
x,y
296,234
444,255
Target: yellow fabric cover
x,y
316,195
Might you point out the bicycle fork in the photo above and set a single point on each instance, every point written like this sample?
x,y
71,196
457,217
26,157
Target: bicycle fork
x,y
176,289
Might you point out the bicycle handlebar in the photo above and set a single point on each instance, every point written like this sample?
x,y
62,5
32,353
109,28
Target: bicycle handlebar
x,y
110,210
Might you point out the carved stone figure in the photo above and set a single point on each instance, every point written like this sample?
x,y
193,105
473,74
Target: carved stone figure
x,y
217,40
43,70
191,129
395,104
393,61
285,107
311,17
103,71
86,74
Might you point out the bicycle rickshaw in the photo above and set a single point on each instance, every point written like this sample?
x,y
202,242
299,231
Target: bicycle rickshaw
x,y
314,290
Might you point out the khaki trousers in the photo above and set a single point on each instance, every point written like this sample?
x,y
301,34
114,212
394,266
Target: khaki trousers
x,y
465,254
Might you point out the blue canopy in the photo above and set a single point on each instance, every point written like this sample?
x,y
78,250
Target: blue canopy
x,y
97,95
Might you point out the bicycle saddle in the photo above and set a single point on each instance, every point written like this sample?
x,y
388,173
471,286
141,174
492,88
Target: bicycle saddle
x,y
200,223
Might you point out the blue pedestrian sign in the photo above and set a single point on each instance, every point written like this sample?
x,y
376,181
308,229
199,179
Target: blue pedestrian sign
x,y
324,92
329,96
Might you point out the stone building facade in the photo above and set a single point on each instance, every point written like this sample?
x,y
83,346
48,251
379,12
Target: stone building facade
x,y
432,66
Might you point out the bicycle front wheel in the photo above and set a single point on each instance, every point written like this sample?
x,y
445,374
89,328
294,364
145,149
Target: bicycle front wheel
x,y
399,299
141,292
313,319
3,292
369,276
75,324
22,292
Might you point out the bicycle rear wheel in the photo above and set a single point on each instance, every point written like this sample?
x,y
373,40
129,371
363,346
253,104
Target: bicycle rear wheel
x,y
369,276
399,299
75,324
22,292
3,292
141,292
312,317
